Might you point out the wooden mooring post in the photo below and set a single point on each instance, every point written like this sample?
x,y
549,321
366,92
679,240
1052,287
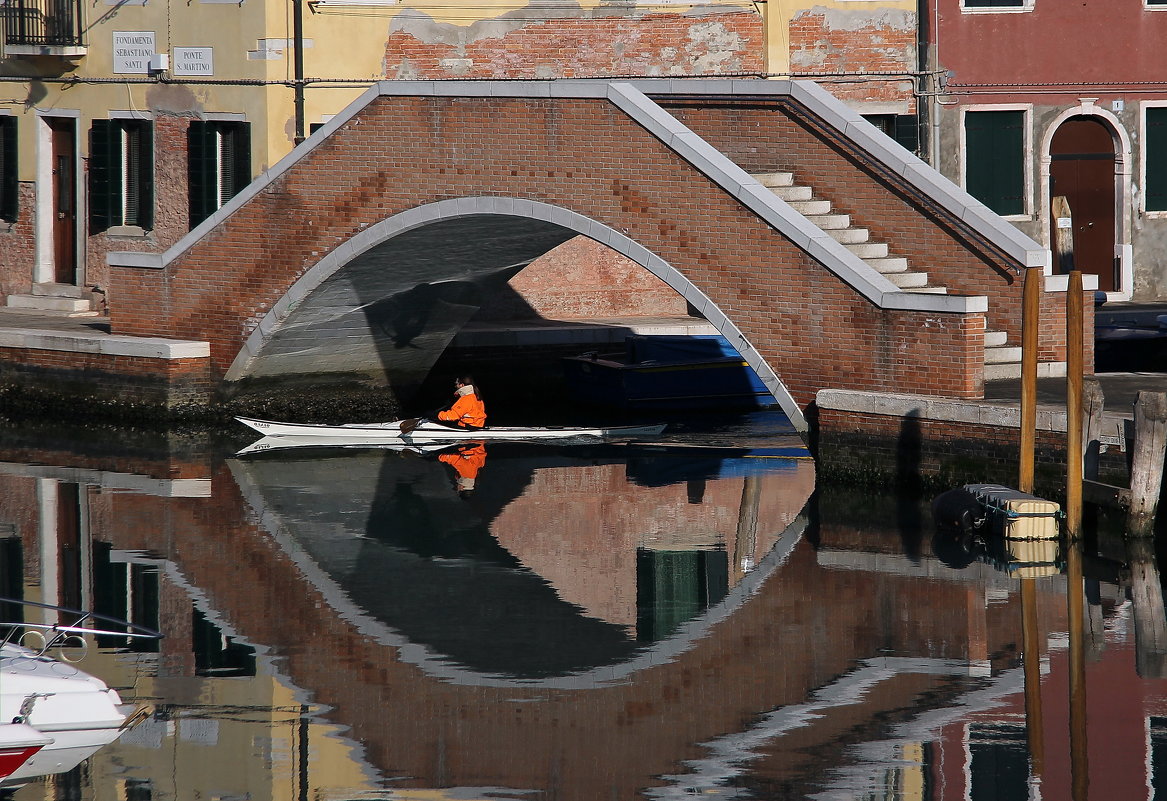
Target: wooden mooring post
x,y
1074,369
1030,321
1147,461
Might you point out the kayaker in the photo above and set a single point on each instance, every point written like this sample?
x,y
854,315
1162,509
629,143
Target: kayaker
x,y
468,410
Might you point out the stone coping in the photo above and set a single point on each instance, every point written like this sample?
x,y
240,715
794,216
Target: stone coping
x,y
995,413
128,482
104,344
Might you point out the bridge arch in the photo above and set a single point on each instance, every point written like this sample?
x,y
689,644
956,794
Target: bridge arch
x,y
540,226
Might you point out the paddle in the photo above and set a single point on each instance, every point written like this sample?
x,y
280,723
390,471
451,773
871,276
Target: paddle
x,y
407,426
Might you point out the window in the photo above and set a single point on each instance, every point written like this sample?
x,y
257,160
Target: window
x,y
994,160
904,128
998,3
1155,158
8,169
218,165
121,174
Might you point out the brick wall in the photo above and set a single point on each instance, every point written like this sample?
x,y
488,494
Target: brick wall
x,y
830,41
585,155
872,448
719,43
17,246
43,380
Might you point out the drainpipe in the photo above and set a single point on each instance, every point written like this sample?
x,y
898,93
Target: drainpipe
x,y
924,99
298,66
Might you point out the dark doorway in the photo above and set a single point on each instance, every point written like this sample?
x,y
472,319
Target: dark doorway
x,y
64,142
1082,169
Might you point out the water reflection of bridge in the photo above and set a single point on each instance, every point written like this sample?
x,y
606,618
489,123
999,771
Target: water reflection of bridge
x,y
815,641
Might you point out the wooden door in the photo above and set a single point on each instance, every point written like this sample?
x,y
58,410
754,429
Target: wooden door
x,y
1082,169
64,138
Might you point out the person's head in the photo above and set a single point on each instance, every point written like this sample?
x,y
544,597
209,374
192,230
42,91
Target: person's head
x,y
466,381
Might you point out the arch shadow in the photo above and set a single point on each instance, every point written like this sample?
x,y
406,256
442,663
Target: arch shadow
x,y
392,297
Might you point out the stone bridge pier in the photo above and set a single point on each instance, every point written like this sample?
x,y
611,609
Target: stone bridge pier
x,y
362,253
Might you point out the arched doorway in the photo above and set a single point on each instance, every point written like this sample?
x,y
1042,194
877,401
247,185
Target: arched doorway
x,y
1082,168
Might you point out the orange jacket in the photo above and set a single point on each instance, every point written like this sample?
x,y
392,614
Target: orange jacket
x,y
467,411
467,460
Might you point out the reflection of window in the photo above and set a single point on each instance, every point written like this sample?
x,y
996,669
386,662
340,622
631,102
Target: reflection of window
x,y
216,654
1158,734
121,174
1155,157
994,162
1000,762
673,587
126,591
8,170
218,165
11,577
904,128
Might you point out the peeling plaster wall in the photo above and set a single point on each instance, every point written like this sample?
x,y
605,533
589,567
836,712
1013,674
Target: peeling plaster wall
x,y
577,44
879,40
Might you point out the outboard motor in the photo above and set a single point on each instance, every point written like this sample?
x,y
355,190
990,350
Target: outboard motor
x,y
959,509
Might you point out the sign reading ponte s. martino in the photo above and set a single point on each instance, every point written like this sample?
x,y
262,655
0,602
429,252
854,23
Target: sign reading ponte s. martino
x,y
193,61
132,51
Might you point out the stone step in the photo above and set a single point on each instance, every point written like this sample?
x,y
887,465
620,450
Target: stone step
x,y
869,250
1002,355
809,207
892,264
995,372
929,290
909,280
850,236
995,339
772,179
791,193
50,304
830,222
54,290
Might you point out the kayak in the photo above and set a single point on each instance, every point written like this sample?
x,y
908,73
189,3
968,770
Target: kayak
x,y
422,430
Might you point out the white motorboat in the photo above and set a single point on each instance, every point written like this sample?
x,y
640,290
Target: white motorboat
x,y
18,742
428,431
73,713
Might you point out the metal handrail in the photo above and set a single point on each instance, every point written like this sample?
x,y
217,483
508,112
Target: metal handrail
x,y
55,635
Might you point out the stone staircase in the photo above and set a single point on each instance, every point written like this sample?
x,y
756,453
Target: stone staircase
x,y
65,300
1001,359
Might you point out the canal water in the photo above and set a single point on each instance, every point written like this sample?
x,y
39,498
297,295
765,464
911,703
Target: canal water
x,y
688,617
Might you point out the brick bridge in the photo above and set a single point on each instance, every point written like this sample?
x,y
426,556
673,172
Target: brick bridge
x,y
828,254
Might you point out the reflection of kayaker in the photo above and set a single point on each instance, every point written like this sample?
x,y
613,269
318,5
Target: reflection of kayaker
x,y
466,459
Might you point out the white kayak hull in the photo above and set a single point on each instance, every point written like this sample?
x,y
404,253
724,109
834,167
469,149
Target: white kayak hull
x,y
428,431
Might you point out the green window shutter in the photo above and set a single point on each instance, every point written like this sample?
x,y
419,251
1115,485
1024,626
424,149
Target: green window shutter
x,y
907,132
1155,154
241,172
9,174
201,177
145,182
104,175
995,159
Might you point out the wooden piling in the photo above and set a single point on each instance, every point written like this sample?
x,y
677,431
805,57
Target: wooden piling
x,y
1030,319
1074,369
1147,460
1149,617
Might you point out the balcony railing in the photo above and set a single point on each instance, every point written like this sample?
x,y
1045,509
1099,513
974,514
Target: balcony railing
x,y
52,24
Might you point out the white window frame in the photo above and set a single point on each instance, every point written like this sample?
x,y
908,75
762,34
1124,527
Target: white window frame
x,y
1023,7
1026,160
